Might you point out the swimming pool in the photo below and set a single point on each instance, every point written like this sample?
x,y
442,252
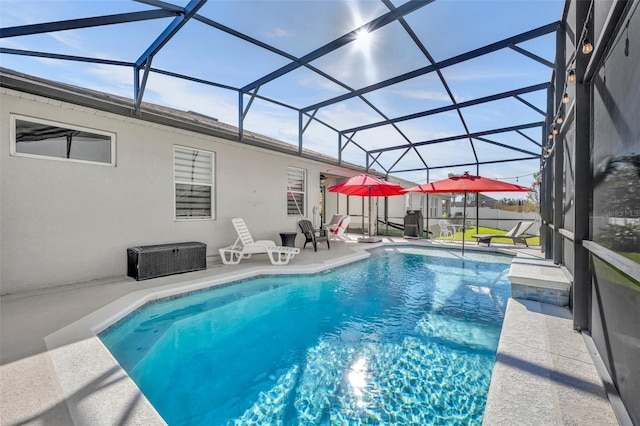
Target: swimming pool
x,y
407,336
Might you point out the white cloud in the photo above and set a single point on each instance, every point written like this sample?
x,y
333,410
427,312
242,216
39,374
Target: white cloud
x,y
186,96
342,117
67,38
316,81
485,74
422,94
289,134
164,90
109,79
278,32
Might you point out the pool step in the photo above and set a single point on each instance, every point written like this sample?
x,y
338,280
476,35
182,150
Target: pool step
x,y
540,280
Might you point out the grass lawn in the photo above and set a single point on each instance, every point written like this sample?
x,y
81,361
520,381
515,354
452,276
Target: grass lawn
x,y
533,241
633,256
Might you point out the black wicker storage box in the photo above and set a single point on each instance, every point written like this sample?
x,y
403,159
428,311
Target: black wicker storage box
x,y
146,262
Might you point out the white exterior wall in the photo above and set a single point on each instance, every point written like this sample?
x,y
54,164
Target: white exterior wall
x,y
64,222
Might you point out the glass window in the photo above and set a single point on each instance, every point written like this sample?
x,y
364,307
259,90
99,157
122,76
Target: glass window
x,y
296,191
615,216
193,178
32,137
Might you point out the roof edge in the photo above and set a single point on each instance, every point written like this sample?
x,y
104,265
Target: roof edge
x,y
158,114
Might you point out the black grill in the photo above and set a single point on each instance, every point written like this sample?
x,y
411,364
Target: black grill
x,y
146,262
413,224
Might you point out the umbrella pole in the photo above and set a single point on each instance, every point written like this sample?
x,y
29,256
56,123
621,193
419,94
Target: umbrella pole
x,y
464,218
370,211
362,207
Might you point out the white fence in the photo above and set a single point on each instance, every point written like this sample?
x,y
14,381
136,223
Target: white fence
x,y
500,219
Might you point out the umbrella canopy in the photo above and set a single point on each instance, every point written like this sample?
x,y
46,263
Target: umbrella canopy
x,y
367,186
364,186
467,183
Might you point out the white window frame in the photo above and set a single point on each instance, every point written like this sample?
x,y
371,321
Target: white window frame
x,y
290,190
211,185
13,150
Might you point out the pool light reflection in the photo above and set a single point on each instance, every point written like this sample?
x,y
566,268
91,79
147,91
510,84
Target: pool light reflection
x,y
357,378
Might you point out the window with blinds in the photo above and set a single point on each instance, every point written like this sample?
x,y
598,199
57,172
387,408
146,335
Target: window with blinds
x,y
296,191
194,183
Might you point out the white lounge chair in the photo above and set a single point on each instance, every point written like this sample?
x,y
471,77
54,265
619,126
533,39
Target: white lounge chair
x,y
335,221
245,246
516,234
339,230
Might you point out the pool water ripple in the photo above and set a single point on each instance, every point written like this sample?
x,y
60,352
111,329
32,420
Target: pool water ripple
x,y
408,336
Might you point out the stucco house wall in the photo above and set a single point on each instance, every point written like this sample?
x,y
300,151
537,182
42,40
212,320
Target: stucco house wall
x,y
64,222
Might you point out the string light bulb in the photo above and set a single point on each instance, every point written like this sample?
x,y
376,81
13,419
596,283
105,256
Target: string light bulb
x,y
559,120
554,131
572,76
587,47
550,136
565,98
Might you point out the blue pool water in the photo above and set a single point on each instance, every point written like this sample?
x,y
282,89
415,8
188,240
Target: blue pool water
x,y
407,336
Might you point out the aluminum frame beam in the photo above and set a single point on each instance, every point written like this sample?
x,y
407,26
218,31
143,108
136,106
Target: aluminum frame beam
x,y
10,51
268,47
498,96
430,58
532,106
183,14
272,49
171,30
480,163
277,51
503,145
582,282
538,32
532,56
464,136
96,21
371,26
145,59
529,138
197,80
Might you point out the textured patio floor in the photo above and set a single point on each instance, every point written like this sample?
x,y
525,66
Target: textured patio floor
x,y
543,373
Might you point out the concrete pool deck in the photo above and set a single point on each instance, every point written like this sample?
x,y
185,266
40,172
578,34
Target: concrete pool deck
x,y
54,371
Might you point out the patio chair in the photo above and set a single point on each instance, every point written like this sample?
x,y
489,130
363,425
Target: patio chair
x,y
516,234
338,231
313,235
445,231
245,246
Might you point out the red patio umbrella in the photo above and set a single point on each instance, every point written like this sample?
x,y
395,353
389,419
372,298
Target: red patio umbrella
x,y
367,186
467,183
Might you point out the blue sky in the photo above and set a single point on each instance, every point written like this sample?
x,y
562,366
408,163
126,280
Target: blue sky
x,y
445,27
